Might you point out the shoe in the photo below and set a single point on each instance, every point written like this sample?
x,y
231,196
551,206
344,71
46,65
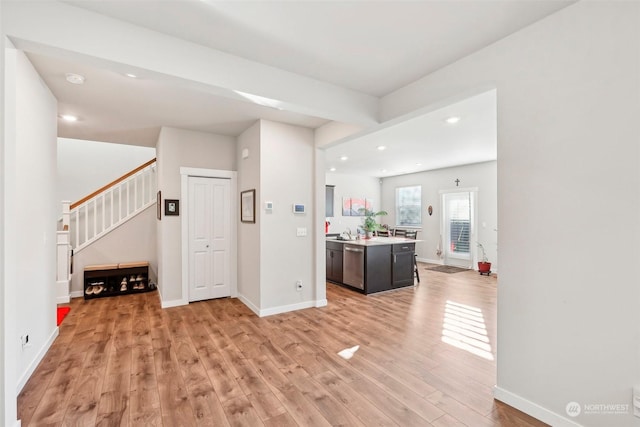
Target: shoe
x,y
132,278
123,287
139,278
89,290
98,289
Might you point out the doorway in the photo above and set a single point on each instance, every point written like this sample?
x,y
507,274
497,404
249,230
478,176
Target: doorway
x,y
458,225
208,235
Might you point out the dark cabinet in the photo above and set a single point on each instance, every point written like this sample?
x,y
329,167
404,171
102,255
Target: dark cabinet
x,y
377,273
402,264
334,261
328,202
386,266
116,279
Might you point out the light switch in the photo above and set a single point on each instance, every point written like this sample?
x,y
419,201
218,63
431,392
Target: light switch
x,y
301,231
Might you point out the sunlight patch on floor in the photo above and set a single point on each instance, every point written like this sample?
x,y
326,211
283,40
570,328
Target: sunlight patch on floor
x,y
348,353
463,327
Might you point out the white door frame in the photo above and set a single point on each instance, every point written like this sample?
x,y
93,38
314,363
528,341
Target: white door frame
x,y
185,173
473,250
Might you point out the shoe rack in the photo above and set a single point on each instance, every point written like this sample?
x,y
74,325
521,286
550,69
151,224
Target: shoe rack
x,y
108,280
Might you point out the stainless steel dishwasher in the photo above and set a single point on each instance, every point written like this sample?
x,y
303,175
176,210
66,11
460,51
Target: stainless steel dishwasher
x,y
353,266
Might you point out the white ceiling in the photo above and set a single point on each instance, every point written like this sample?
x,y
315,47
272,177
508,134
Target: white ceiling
x,y
425,142
369,47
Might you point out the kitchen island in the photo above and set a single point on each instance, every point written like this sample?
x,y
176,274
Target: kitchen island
x,y
371,265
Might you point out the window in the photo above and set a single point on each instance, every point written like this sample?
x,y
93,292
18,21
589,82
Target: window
x,y
409,206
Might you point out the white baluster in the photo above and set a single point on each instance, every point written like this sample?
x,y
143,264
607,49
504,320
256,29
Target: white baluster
x,y
77,227
103,198
86,223
95,218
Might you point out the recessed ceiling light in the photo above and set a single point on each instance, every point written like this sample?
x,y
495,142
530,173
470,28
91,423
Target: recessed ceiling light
x,y
69,118
383,171
133,76
332,169
343,158
418,164
74,78
381,147
453,120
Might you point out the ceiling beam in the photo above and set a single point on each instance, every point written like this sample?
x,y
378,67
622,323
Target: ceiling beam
x,y
54,28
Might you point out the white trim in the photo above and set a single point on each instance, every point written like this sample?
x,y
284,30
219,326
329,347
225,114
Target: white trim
x,y
63,296
36,361
286,308
76,294
173,303
249,304
281,309
185,173
533,409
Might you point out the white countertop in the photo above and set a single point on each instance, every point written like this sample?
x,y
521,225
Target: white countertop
x,y
374,241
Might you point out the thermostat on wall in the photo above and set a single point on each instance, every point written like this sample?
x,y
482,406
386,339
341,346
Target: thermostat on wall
x,y
298,208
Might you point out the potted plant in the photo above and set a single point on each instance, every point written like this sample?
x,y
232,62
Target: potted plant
x,y
484,266
370,225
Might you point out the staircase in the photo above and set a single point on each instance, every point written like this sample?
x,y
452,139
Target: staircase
x,y
97,214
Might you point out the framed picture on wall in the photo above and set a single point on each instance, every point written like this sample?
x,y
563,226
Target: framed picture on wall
x,y
346,206
357,206
248,206
171,207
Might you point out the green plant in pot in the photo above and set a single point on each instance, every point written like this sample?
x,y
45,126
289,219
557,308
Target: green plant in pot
x,y
370,225
484,266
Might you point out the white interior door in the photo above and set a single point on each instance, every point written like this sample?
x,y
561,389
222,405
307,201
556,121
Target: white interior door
x,y
209,238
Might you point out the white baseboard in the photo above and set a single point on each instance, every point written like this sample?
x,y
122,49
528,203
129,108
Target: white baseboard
x,y
76,294
34,364
249,304
63,299
280,309
533,409
286,308
173,303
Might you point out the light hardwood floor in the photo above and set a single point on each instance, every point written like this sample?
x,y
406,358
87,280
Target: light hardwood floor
x,y
123,361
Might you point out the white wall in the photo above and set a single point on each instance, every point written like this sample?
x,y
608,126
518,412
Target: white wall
x,y
282,166
249,262
568,203
352,186
182,148
331,132
3,294
85,166
482,176
286,177
30,212
135,240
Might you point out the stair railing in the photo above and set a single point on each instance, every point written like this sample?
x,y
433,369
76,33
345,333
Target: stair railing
x,y
97,214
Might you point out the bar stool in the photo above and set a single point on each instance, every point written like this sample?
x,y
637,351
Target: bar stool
x,y
413,234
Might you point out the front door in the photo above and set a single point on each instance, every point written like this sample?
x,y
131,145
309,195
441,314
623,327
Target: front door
x,y
458,226
209,238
